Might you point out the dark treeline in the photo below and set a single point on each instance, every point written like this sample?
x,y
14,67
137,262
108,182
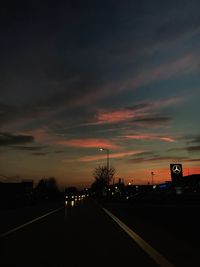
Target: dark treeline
x,y
24,193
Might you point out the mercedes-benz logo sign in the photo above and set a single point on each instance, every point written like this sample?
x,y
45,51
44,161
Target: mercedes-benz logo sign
x,y
176,169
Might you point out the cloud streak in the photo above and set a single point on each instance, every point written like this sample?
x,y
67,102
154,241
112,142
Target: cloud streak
x,y
115,116
88,143
166,159
111,155
28,148
150,137
193,148
7,139
141,114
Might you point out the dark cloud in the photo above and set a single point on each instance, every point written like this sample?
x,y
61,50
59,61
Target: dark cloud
x,y
193,148
145,154
153,121
187,148
167,158
48,153
141,157
177,149
177,27
193,160
155,158
28,148
40,154
58,151
10,114
192,143
6,113
196,139
7,139
138,106
191,138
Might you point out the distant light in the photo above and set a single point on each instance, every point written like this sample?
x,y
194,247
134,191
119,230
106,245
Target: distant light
x,y
162,186
179,190
116,187
66,197
129,183
101,149
154,186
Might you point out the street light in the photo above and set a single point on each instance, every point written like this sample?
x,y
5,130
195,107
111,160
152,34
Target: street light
x,y
108,163
107,152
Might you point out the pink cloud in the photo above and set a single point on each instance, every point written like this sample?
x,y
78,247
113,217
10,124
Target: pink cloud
x,y
104,117
139,137
167,139
88,143
150,137
113,155
115,116
143,111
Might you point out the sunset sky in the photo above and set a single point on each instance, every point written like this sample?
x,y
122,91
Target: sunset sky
x,y
79,75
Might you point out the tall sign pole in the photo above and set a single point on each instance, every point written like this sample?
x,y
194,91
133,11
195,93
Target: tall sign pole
x,y
176,174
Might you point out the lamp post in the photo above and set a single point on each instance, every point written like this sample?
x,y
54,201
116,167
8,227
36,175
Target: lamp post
x,y
108,159
108,163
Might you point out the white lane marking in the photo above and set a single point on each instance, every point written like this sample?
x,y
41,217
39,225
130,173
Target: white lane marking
x,y
28,223
154,254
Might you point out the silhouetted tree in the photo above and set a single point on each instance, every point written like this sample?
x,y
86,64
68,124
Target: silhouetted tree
x,y
47,188
42,186
52,186
103,177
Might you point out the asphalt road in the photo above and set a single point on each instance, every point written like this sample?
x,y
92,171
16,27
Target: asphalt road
x,y
85,234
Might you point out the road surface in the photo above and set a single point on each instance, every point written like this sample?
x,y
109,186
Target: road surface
x,y
89,234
